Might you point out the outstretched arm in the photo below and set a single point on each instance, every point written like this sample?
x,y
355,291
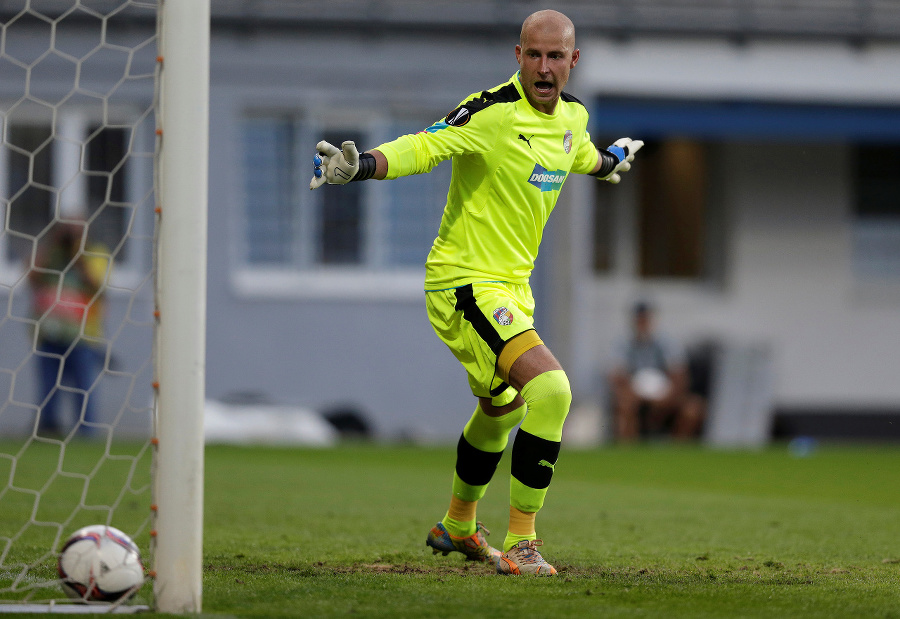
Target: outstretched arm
x,y
408,154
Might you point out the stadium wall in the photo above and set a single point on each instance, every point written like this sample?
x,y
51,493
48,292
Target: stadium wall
x,y
788,281
333,341
791,281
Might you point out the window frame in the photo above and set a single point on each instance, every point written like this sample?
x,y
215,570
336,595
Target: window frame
x,y
74,126
620,207
371,279
875,234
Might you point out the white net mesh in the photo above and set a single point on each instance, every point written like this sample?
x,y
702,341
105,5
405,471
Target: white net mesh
x,y
77,103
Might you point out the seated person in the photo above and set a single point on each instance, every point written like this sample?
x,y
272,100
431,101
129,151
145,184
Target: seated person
x,y
651,385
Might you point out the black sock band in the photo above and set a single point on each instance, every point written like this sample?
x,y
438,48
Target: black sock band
x,y
366,168
473,466
533,459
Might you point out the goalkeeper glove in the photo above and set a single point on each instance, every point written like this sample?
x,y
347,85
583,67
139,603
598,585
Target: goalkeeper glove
x,y
333,165
617,158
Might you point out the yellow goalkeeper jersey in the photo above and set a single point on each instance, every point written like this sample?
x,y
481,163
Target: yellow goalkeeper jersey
x,y
509,164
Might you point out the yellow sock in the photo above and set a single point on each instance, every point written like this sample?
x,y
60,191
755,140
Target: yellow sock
x,y
460,518
521,526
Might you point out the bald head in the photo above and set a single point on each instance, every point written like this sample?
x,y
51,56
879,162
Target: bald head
x,y
551,23
546,53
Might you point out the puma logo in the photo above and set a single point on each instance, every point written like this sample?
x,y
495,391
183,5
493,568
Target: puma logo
x,y
552,467
526,140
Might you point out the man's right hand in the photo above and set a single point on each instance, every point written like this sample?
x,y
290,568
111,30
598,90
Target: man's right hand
x,y
333,165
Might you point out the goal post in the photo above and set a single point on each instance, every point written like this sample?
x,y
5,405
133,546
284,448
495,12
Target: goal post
x,y
183,133
104,135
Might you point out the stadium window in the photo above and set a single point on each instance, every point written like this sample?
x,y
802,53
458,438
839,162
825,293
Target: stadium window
x,y
106,156
45,172
29,177
678,230
270,212
340,235
604,229
363,226
672,202
285,226
876,228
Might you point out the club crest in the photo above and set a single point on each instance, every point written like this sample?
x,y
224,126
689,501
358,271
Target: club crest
x,y
503,316
567,141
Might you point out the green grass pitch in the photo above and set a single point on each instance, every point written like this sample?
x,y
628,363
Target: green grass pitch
x,y
645,531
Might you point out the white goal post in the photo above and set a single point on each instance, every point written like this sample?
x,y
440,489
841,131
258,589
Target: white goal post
x,y
104,125
181,302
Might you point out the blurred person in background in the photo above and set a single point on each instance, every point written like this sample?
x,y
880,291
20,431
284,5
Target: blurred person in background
x,y
651,382
512,148
67,282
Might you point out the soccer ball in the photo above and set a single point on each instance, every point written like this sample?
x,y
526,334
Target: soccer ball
x,y
650,384
99,563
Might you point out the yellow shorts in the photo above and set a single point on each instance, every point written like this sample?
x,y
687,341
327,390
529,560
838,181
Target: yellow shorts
x,y
476,321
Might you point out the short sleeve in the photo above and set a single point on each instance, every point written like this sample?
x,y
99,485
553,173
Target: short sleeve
x,y
586,157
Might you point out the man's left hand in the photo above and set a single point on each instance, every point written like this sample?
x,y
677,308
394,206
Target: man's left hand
x,y
624,150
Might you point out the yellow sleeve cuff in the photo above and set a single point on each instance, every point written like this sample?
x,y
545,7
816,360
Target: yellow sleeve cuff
x,y
401,156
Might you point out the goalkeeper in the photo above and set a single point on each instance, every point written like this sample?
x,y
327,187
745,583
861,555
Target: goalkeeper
x,y
512,147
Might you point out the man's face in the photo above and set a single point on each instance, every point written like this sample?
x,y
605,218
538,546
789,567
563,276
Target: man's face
x,y
545,58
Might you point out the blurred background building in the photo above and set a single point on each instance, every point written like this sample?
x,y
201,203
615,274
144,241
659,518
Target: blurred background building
x,y
762,217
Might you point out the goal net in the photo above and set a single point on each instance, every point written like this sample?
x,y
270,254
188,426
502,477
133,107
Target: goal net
x,y
81,186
